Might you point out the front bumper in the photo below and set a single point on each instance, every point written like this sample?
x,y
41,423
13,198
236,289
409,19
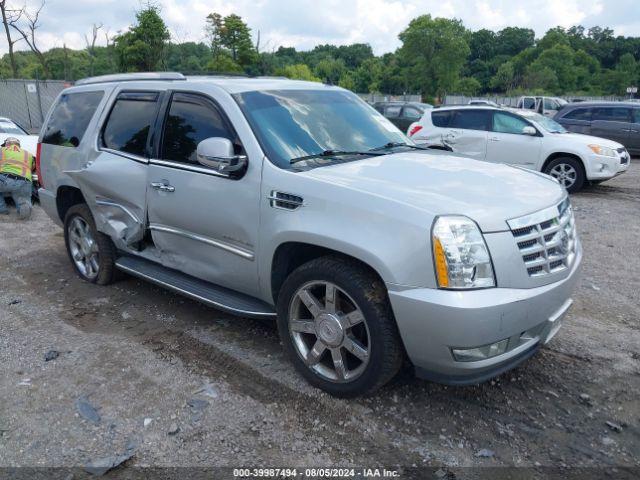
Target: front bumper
x,y
433,322
599,167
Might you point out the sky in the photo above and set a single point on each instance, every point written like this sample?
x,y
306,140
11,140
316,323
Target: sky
x,y
305,23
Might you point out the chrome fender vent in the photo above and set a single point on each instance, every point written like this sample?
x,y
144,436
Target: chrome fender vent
x,y
285,201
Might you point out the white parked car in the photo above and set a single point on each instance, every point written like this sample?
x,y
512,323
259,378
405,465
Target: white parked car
x,y
522,138
9,128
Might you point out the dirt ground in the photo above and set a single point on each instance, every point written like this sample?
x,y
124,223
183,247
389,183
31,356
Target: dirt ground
x,y
180,384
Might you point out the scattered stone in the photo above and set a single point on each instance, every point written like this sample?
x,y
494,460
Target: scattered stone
x,y
197,404
553,394
25,382
586,399
87,411
614,426
207,390
146,422
101,466
596,288
173,429
15,301
608,441
51,355
485,453
441,473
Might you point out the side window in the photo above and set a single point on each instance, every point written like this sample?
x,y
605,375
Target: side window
x,y
579,114
636,115
441,118
392,111
471,119
529,103
128,124
505,123
612,114
70,118
412,113
550,104
191,119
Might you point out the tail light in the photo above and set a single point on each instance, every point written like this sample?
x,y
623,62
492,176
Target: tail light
x,y
415,129
38,169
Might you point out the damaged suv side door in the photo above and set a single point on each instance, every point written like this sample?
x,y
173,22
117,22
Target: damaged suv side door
x,y
117,179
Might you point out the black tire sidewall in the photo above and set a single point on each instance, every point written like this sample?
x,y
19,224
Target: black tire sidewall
x,y
577,165
373,312
106,251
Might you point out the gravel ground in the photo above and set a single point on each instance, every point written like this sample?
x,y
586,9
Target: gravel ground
x,y
143,371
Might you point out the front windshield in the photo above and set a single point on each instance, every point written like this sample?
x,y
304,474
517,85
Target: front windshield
x,y
290,124
546,123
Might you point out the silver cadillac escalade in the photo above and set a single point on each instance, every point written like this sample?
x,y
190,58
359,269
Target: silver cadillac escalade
x,y
293,200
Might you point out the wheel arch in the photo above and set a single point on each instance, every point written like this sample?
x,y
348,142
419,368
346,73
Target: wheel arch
x,y
556,155
66,197
292,254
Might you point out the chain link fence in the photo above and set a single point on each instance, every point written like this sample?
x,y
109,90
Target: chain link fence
x,y
26,102
512,101
383,97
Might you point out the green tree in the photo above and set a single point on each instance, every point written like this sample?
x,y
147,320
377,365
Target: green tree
x,y
504,79
468,86
143,47
236,37
298,71
435,50
330,70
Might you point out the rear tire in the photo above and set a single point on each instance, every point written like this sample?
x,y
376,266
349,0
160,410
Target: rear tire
x,y
92,253
568,171
347,346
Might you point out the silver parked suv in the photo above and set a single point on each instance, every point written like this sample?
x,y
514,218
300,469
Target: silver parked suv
x,y
296,200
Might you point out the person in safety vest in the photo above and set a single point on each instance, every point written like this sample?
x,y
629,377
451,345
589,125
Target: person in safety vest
x,y
16,166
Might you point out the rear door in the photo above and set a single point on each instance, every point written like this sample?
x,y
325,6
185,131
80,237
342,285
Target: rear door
x,y
467,132
408,116
577,120
507,143
634,134
204,223
612,122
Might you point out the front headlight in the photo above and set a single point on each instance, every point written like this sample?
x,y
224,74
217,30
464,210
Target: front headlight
x,y
460,254
602,150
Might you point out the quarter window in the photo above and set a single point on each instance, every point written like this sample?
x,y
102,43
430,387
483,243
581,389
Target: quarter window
x,y
127,128
471,119
191,119
70,118
612,114
505,123
441,118
579,114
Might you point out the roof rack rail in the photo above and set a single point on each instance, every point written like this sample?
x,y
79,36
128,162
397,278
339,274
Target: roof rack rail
x,y
131,77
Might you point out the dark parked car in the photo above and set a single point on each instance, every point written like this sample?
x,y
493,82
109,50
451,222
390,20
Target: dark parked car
x,y
618,121
402,114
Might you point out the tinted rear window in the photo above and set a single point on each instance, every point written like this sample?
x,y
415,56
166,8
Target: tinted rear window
x,y
441,118
129,122
612,114
70,118
579,114
471,119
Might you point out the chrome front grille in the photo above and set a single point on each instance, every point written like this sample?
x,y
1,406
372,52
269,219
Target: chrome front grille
x,y
546,240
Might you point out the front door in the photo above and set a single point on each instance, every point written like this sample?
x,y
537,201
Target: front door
x,y
204,223
508,144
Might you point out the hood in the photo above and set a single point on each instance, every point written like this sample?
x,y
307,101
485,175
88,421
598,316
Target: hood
x,y
441,184
588,140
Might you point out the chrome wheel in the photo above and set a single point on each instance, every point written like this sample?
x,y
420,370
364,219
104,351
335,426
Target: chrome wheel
x,y
83,248
329,332
565,174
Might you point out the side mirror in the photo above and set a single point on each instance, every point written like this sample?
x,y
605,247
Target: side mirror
x,y
217,153
529,130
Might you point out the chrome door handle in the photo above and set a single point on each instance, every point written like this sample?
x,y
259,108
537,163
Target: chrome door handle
x,y
163,187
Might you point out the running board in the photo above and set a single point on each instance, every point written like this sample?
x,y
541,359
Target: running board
x,y
219,297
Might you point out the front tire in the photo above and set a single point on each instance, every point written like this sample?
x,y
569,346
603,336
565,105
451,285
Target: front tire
x,y
568,171
92,253
337,326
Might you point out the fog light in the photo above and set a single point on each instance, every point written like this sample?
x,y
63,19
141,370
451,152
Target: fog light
x,y
601,167
480,353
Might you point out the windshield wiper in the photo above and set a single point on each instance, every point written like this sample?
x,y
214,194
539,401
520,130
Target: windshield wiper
x,y
331,153
389,145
